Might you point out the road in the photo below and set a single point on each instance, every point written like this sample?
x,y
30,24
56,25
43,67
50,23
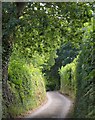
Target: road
x,y
57,106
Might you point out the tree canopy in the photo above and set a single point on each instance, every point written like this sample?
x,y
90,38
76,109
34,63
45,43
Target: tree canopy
x,y
47,45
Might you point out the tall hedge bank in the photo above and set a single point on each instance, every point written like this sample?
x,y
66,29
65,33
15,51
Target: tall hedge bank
x,y
85,94
27,85
68,78
83,73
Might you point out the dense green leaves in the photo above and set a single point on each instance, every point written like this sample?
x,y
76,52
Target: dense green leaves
x,y
44,38
26,83
68,78
83,75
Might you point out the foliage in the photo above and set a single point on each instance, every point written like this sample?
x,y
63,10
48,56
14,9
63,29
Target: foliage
x,y
68,78
8,29
85,76
35,37
26,83
83,73
65,55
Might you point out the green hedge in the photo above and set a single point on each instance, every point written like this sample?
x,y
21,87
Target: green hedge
x,y
27,85
78,80
68,78
82,72
85,104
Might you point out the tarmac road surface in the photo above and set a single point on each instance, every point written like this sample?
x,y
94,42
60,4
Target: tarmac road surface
x,y
57,106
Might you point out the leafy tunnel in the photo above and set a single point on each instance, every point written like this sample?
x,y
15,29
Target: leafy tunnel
x,y
46,47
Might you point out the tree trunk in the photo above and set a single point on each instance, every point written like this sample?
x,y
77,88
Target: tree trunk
x,y
6,93
7,44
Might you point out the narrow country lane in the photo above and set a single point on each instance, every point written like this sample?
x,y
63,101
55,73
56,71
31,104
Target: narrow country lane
x,y
57,106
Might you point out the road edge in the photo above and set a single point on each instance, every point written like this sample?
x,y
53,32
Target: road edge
x,y
71,110
23,115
